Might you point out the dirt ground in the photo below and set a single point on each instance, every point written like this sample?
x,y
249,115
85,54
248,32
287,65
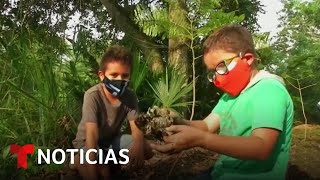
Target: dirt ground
x,y
305,153
304,161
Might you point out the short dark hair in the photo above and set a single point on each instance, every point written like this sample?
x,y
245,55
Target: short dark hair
x,y
116,53
232,38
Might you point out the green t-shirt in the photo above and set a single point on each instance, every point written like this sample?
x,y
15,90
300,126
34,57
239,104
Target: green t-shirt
x,y
266,104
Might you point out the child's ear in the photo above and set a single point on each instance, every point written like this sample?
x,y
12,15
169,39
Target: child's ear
x,y
249,57
101,75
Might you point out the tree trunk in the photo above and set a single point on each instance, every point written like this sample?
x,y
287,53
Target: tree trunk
x,y
178,49
178,43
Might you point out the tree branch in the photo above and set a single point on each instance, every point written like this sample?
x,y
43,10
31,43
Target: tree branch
x,y
292,84
198,57
309,86
146,44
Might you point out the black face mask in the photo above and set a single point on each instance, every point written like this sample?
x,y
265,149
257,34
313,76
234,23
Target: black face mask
x,y
115,87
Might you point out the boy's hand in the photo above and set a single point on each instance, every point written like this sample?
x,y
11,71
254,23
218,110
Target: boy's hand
x,y
136,151
183,137
136,155
132,115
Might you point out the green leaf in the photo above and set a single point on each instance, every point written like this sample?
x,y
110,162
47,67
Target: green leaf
x,y
5,152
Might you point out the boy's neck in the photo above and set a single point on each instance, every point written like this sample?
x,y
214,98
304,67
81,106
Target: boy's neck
x,y
254,72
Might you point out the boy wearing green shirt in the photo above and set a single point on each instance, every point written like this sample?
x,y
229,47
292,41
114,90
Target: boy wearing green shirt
x,y
254,116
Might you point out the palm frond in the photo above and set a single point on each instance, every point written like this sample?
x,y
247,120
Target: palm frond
x,y
139,73
172,89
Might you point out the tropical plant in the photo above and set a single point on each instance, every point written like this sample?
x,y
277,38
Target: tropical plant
x,y
171,89
139,72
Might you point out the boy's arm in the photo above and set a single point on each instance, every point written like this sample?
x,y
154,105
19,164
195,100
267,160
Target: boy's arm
x,y
89,116
137,134
91,143
211,123
258,146
136,152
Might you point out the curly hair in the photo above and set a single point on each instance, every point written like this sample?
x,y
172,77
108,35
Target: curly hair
x,y
116,53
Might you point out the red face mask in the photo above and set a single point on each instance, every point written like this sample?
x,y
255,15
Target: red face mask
x,y
235,80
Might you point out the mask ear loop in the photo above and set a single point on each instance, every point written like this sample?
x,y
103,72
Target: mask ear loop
x,y
241,55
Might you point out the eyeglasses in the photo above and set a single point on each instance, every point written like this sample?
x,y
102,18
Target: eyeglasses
x,y
221,68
